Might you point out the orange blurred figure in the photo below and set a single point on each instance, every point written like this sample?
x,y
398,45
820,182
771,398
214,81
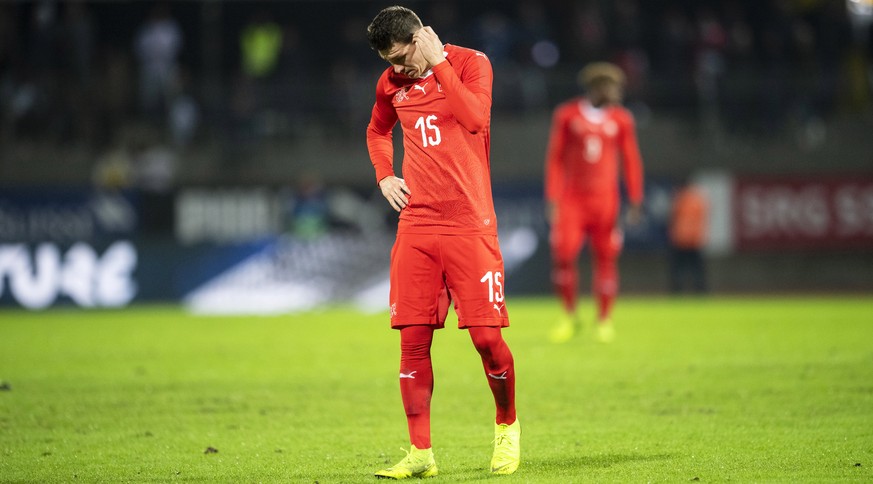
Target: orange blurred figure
x,y
689,226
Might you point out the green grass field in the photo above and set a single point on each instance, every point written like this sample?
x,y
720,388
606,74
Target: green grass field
x,y
707,389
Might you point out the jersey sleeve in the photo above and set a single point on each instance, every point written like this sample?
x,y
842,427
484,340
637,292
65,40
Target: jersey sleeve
x,y
380,143
632,163
468,95
554,176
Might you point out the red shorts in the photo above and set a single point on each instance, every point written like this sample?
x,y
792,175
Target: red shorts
x,y
428,271
593,217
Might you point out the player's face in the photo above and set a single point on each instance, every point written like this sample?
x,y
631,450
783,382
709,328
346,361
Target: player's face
x,y
607,93
406,59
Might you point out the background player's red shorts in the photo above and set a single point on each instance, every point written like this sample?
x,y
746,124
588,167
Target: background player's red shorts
x,y
596,217
429,270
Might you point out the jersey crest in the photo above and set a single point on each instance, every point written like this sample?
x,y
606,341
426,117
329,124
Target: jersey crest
x,y
401,95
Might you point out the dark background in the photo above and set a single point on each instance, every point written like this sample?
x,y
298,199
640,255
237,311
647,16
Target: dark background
x,y
740,89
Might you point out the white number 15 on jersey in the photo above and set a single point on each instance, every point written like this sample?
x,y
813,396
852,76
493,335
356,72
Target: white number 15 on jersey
x,y
426,124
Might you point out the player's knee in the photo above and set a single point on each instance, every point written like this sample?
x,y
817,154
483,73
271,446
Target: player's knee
x,y
563,271
607,253
412,352
486,339
563,256
615,243
415,343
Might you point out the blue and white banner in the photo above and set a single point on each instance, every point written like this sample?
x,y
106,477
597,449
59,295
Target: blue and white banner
x,y
40,276
65,215
254,250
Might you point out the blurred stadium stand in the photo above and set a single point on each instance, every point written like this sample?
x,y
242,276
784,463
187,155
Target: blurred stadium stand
x,y
156,99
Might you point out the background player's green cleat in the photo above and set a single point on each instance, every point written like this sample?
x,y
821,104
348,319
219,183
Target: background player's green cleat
x,y
564,330
417,463
507,448
605,331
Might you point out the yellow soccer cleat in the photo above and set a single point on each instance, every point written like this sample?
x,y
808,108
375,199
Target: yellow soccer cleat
x,y
564,330
417,463
507,448
605,331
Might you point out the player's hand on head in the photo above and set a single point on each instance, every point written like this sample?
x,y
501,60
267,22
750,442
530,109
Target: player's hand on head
x,y
429,44
395,191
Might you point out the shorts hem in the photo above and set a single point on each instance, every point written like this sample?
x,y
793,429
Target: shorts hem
x,y
418,322
491,323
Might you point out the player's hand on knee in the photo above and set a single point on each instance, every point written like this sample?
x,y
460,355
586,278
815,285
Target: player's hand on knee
x,y
395,191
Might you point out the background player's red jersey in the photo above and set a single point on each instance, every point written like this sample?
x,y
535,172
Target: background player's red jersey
x,y
446,143
584,148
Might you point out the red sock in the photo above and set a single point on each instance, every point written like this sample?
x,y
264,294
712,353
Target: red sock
x,y
604,306
605,285
416,382
500,369
565,277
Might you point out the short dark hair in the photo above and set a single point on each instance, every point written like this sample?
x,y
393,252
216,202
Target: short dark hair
x,y
392,24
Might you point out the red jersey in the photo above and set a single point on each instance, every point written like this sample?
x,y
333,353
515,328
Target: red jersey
x,y
584,148
446,120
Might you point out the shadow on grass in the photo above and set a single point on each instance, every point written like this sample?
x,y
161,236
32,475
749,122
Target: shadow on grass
x,y
531,468
582,461
555,467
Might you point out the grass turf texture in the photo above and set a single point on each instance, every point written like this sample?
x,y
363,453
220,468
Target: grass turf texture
x,y
706,389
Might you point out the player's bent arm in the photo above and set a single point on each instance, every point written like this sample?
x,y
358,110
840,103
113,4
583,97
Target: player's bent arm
x,y
632,163
471,109
381,149
554,176
380,143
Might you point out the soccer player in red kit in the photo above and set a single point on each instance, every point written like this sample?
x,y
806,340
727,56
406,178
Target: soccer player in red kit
x,y
589,136
446,246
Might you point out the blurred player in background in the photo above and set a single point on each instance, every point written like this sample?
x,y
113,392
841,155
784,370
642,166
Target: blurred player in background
x,y
589,136
446,246
689,225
